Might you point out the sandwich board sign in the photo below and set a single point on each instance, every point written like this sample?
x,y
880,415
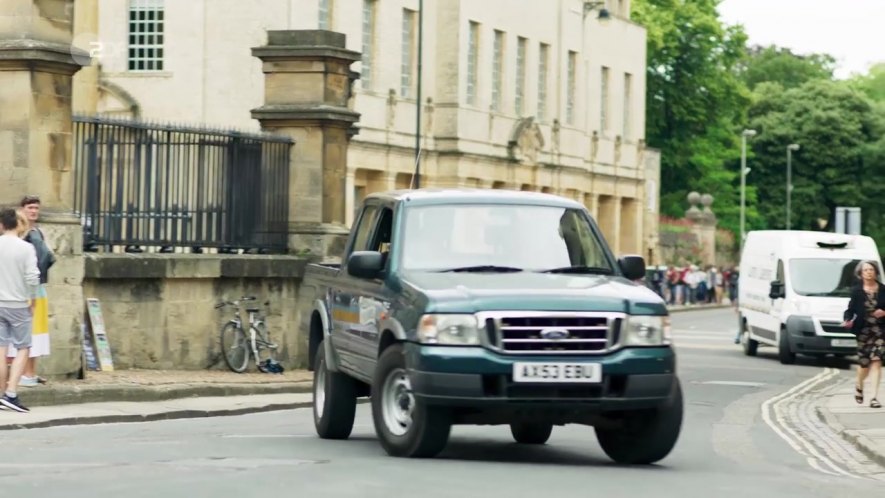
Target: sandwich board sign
x,y
89,358
99,335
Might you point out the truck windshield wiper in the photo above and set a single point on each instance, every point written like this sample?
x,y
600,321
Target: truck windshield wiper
x,y
595,270
484,268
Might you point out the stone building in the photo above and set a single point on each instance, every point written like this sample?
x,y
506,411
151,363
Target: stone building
x,y
520,94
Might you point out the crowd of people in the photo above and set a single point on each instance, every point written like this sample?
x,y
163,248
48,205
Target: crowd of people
x,y
25,259
689,284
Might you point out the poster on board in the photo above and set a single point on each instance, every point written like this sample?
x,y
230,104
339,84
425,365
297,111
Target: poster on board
x,y
99,335
89,359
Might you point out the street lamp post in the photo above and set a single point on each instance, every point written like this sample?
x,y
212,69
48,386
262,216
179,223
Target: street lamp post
x,y
744,136
790,149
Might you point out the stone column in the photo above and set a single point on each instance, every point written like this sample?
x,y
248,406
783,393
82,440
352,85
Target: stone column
x,y
307,86
704,225
37,62
86,81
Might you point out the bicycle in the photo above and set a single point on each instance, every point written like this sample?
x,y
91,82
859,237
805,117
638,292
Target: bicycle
x,y
236,346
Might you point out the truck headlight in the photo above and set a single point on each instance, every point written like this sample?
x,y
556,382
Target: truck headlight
x,y
456,330
646,330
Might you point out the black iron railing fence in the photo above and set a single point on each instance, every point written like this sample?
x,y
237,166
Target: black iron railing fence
x,y
144,185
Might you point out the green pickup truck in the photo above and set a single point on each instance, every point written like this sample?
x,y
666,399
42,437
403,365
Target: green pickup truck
x,y
489,307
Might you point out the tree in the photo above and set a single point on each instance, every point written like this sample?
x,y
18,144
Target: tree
x,y
781,65
841,156
696,101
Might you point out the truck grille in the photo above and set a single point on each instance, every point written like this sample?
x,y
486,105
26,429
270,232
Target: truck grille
x,y
552,334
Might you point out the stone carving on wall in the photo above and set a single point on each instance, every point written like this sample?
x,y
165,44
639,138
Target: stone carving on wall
x,y
618,143
594,145
428,120
526,141
555,137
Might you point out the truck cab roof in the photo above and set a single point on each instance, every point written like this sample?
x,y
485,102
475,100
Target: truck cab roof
x,y
430,196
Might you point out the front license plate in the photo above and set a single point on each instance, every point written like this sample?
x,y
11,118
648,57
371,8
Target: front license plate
x,y
844,343
557,372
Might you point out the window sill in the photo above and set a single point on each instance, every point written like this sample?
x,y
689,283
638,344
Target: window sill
x,y
141,74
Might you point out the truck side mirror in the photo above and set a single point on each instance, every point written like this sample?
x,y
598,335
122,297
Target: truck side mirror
x,y
632,266
777,290
365,264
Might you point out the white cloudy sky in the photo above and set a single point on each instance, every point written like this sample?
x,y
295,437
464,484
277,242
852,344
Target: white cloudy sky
x,y
853,31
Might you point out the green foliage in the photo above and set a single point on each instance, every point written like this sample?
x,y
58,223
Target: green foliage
x,y
841,147
695,101
781,65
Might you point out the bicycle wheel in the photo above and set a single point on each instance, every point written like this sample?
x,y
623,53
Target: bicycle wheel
x,y
235,347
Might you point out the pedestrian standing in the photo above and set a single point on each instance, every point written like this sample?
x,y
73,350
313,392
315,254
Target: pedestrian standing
x,y
864,317
19,279
30,207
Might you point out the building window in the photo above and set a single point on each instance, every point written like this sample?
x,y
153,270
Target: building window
x,y
472,62
603,101
408,52
368,43
543,59
520,75
325,17
628,98
497,72
146,33
571,87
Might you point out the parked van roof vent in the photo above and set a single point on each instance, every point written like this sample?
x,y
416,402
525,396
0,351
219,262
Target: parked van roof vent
x,y
832,245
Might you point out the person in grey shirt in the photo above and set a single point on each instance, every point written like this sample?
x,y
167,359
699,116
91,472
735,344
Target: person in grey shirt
x,y
19,281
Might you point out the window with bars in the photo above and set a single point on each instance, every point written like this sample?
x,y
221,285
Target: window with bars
x,y
519,103
543,63
628,105
472,62
497,72
408,52
146,35
572,84
325,14
603,101
368,43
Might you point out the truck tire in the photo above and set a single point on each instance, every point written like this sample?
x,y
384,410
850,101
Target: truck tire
x,y
531,433
784,354
406,427
334,400
748,344
647,436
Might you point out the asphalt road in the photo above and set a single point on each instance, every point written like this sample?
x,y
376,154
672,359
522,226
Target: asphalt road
x,y
726,449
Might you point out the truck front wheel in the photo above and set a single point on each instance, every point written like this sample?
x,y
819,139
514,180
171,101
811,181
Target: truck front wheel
x,y
646,437
334,400
405,426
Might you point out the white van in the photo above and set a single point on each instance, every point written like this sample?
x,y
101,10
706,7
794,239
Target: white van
x,y
793,288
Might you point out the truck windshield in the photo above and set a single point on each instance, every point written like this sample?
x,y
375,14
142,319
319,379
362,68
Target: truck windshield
x,y
823,277
515,237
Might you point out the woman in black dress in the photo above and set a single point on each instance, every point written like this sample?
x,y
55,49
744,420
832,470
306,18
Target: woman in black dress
x,y
864,318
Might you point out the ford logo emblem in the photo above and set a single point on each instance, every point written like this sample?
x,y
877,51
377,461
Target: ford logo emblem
x,y
555,334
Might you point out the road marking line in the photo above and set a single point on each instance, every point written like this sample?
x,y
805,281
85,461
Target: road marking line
x,y
778,424
732,383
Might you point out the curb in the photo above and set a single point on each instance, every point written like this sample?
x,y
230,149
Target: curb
x,y
68,395
855,438
171,415
699,308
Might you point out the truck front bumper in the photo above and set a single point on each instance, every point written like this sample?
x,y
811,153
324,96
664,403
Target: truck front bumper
x,y
804,339
632,378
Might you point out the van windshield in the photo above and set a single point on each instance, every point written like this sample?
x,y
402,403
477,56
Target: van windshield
x,y
823,277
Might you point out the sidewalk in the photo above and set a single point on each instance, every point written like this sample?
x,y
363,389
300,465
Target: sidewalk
x,y
860,425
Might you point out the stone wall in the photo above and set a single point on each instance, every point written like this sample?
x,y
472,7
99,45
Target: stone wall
x,y
159,308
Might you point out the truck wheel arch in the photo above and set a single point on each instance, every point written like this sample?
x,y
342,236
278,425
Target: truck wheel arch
x,y
388,338
317,331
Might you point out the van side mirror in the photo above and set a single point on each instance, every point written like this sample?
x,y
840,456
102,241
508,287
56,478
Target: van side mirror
x,y
777,290
632,266
365,264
